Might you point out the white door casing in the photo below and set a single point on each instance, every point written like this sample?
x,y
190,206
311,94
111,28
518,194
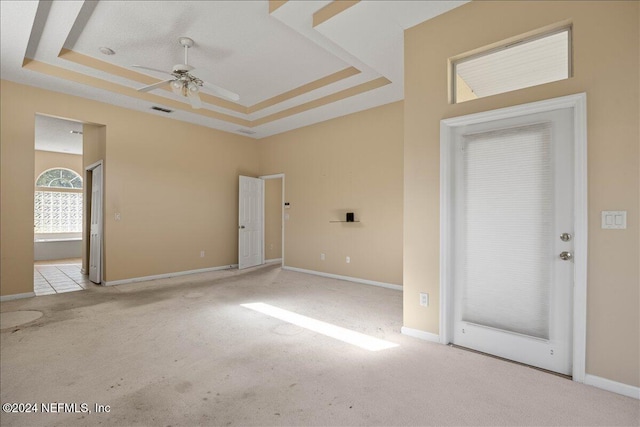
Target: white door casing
x,y
567,310
250,222
95,237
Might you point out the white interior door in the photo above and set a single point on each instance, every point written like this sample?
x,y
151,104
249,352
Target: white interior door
x,y
513,225
95,237
250,222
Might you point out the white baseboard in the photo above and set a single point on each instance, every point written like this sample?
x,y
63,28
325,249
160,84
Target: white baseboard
x,y
17,296
613,386
416,333
272,261
167,275
347,278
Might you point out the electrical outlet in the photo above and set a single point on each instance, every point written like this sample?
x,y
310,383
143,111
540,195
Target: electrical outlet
x,y
201,254
348,259
424,299
322,257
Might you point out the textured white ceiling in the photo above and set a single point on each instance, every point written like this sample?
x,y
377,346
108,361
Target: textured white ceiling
x,y
53,134
239,46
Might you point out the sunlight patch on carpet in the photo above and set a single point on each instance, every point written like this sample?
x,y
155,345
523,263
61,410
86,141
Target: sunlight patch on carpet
x,y
333,331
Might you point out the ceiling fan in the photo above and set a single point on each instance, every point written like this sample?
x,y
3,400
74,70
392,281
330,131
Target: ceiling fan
x,y
184,83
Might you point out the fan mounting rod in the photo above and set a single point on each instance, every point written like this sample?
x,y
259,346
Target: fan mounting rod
x,y
187,43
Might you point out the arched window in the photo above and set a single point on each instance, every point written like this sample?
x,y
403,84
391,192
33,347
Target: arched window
x,y
59,178
58,202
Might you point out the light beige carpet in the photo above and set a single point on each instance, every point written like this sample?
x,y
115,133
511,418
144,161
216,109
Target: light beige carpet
x,y
185,352
11,319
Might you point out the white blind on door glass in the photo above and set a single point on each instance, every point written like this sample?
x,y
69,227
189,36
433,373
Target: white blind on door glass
x,y
506,229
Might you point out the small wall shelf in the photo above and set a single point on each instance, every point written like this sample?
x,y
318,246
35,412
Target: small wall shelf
x,y
349,217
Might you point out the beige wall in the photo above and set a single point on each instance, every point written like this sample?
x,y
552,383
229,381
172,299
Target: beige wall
x,y
45,160
606,67
353,163
273,218
175,185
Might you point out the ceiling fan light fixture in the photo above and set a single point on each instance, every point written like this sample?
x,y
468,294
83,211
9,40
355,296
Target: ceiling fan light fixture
x,y
185,84
176,87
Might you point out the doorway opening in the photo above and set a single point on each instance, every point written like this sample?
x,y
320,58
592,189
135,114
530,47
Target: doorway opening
x,y
261,219
62,202
274,217
58,206
537,211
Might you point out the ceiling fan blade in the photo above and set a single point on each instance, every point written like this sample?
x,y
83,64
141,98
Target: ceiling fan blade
x,y
154,86
222,91
152,69
194,100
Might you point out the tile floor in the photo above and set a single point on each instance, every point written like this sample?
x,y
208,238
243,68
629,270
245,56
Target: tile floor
x,y
55,279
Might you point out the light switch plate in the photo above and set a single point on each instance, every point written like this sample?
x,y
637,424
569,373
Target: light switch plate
x,y
614,220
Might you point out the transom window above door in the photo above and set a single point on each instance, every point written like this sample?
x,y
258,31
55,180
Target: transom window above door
x,y
527,62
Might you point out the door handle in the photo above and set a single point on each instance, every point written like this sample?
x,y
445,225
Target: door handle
x,y
566,256
242,226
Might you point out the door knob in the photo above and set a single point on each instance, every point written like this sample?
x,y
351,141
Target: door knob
x,y
566,256
242,226
565,237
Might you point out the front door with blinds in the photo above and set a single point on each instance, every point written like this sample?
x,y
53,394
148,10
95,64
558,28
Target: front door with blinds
x,y
512,202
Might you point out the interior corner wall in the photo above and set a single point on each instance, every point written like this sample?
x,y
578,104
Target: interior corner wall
x,y
348,164
605,66
175,185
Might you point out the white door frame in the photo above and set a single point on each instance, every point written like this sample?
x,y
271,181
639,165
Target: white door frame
x,y
274,176
578,103
89,170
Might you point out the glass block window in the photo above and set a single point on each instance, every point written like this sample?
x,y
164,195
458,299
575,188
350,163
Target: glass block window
x,y
58,212
59,178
